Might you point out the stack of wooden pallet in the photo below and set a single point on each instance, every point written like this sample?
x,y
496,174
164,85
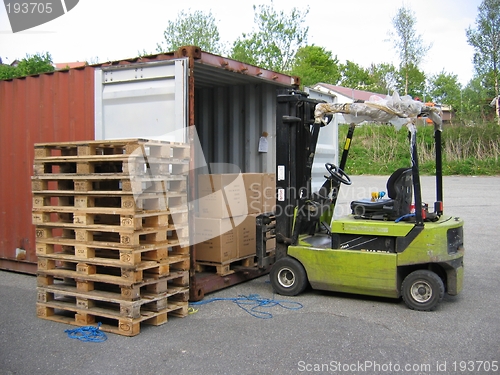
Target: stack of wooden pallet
x,y
112,235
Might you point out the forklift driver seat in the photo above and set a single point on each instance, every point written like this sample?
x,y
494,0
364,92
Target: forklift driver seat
x,y
399,190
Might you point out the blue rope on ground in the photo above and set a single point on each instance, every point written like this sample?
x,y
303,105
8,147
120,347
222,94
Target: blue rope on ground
x,y
253,303
87,334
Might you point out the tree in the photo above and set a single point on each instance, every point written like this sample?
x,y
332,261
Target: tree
x,y
7,72
444,88
314,64
355,76
384,77
475,100
31,64
485,40
277,40
408,43
411,81
196,28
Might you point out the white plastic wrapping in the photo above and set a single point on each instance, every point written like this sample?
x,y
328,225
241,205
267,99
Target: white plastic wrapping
x,y
393,109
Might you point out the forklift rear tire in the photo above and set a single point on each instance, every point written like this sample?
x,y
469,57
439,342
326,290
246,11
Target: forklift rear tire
x,y
422,290
288,277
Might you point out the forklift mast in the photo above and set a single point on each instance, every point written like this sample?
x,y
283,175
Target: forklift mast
x,y
296,139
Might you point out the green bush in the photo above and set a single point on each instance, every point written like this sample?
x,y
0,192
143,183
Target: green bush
x,y
381,149
31,64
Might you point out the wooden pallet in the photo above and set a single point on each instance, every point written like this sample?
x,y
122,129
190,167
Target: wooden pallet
x,y
151,148
176,281
106,262
107,219
115,235
225,268
108,273
122,255
71,296
111,266
108,268
106,184
99,300
131,165
111,321
173,201
131,157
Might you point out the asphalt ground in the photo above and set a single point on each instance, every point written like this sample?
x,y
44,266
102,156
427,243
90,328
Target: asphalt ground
x,y
332,333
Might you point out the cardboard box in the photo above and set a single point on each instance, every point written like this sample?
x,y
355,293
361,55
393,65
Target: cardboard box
x,y
269,192
221,195
271,244
245,236
224,240
260,190
254,191
215,239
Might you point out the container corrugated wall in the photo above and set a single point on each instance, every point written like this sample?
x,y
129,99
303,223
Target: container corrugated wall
x,y
55,107
230,121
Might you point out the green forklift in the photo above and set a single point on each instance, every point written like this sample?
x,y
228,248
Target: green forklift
x,y
391,245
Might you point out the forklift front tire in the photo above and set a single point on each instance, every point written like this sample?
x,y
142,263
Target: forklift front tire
x,y
422,290
288,277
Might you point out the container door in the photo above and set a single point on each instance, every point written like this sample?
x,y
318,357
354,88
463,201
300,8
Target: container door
x,y
327,149
147,100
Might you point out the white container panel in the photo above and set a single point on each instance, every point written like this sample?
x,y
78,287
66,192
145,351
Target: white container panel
x,y
142,101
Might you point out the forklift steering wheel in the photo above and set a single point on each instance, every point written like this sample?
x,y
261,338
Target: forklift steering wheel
x,y
338,174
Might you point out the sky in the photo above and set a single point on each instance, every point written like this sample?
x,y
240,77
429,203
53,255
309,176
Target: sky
x,y
355,30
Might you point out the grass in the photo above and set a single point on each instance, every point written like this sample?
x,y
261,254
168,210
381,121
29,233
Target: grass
x,y
381,149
